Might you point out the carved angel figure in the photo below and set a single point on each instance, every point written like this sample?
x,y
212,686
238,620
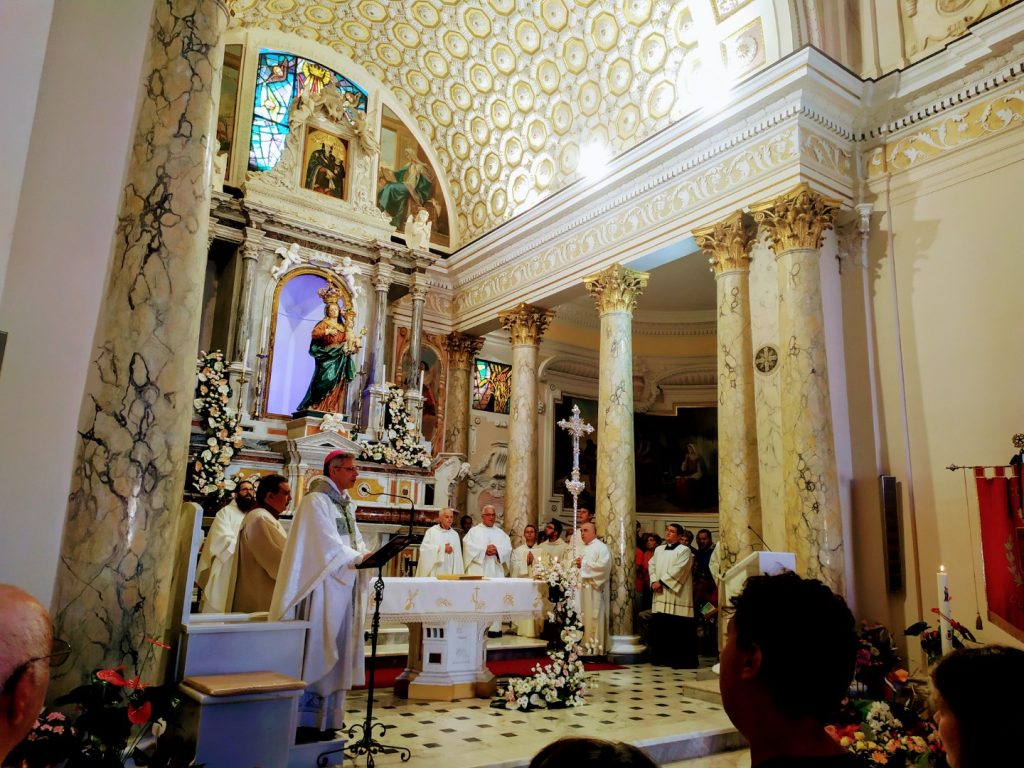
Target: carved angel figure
x,y
289,257
417,231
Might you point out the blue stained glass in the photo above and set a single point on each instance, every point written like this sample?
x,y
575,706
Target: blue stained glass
x,y
279,78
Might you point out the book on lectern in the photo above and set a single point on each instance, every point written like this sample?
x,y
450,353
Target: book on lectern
x,y
390,549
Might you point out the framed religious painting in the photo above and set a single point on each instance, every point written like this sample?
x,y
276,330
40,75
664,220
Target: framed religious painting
x,y
677,461
325,163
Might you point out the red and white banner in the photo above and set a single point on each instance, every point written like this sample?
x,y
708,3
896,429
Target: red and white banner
x,y
1000,498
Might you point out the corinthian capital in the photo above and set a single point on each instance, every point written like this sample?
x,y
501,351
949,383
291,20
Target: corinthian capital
x,y
461,350
727,243
797,219
526,324
616,289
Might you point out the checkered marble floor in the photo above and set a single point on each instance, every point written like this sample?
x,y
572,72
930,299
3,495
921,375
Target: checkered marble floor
x,y
641,704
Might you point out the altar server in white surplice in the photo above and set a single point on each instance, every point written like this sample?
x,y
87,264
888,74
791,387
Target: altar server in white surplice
x,y
487,551
524,557
672,631
318,582
215,573
441,550
595,564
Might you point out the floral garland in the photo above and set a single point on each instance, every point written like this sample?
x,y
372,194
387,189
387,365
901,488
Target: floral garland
x,y
562,682
222,425
401,446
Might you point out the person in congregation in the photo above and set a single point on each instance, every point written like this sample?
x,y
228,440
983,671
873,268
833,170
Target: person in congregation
x,y
523,559
976,728
487,551
582,750
27,651
595,564
552,548
651,542
441,550
215,573
671,633
465,523
318,581
783,624
260,546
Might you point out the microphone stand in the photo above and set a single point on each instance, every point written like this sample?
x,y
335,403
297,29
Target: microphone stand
x,y
763,542
367,744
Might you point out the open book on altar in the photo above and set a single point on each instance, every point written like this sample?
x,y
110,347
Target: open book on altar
x,y
390,549
459,577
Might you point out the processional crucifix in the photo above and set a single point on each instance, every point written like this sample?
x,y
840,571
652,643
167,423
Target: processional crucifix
x,y
577,428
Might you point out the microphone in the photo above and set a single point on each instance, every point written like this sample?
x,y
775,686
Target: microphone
x,y
412,506
763,543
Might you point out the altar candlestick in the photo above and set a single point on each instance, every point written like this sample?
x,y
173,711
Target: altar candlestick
x,y
945,629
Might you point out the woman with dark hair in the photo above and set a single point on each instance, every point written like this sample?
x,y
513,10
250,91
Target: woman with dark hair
x,y
976,697
580,750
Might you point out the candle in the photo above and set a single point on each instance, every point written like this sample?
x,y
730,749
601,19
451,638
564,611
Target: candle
x,y
245,355
264,336
384,374
421,383
945,630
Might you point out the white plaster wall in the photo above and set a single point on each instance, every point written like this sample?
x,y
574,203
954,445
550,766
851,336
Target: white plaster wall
x,y
945,275
23,28
59,258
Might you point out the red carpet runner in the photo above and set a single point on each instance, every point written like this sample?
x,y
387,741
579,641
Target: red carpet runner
x,y
385,676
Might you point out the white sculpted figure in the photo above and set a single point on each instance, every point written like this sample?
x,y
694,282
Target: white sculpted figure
x,y
349,270
289,257
417,231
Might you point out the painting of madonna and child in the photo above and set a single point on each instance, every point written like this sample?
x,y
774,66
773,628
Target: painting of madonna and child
x,y
316,349
676,458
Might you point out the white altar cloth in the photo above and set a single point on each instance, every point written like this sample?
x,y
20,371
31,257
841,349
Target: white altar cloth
x,y
432,600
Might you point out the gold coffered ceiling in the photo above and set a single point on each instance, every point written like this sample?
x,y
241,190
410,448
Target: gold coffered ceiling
x,y
511,92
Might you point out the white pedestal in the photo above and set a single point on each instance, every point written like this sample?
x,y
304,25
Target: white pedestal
x,y
447,661
221,643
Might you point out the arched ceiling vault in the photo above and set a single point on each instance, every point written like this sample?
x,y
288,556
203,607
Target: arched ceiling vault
x,y
514,94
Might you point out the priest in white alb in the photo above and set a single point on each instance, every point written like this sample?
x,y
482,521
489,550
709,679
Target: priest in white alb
x,y
595,564
441,550
318,582
215,573
672,630
487,551
524,557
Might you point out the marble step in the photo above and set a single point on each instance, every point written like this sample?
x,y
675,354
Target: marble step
x,y
704,690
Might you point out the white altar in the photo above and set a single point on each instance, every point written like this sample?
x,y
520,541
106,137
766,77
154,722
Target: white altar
x,y
448,622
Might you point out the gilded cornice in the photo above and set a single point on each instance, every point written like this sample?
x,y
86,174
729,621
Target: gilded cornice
x,y
727,243
462,349
526,324
616,289
797,219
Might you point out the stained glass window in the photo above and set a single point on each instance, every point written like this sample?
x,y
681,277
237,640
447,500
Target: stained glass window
x,y
279,78
492,386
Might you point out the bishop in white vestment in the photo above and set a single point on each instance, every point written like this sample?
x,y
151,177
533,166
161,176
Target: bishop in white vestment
x,y
595,566
487,551
441,550
215,572
524,557
318,582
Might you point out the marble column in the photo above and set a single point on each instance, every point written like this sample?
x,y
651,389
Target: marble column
x,y
462,351
525,325
727,245
615,291
243,374
795,223
413,398
116,565
372,397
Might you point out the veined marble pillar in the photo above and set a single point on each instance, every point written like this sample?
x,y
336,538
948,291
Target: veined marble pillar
x,y
413,398
525,325
462,350
372,397
122,529
795,223
244,374
727,245
616,290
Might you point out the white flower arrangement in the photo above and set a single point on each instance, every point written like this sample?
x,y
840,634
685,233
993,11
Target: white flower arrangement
x,y
399,445
220,422
563,681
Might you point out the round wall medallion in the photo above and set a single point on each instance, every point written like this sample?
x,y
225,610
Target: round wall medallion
x,y
766,359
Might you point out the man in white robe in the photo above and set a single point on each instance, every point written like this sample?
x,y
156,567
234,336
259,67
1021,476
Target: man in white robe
x,y
583,517
672,630
441,550
595,566
215,573
487,551
553,547
260,546
523,559
318,582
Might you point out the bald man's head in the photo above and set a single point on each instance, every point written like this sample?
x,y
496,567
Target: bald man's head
x,y
25,634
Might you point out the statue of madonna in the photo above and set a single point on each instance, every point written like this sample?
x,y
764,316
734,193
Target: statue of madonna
x,y
335,366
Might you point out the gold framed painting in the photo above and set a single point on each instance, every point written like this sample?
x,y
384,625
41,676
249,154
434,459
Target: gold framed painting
x,y
325,160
